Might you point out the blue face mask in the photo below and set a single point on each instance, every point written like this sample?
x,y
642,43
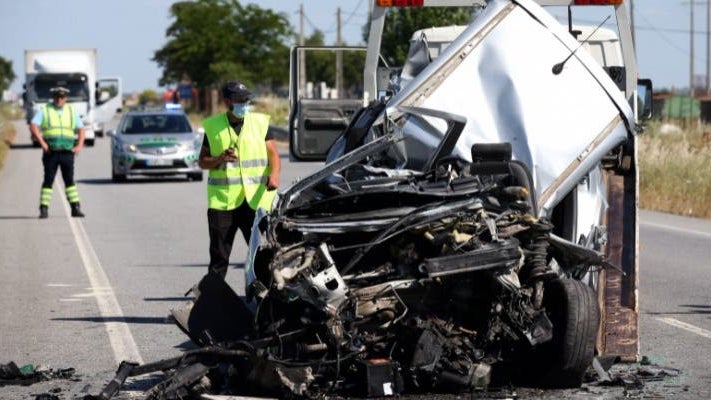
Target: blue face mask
x,y
240,109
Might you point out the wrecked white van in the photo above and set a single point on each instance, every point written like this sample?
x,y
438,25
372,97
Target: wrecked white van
x,y
453,241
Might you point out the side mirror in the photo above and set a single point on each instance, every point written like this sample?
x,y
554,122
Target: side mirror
x,y
110,133
644,99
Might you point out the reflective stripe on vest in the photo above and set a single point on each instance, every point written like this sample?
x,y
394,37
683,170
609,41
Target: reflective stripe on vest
x,y
58,130
244,164
231,183
237,180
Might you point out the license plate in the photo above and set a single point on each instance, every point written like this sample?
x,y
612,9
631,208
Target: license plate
x,y
159,162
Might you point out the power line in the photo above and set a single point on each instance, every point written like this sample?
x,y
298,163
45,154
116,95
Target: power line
x,y
353,12
648,27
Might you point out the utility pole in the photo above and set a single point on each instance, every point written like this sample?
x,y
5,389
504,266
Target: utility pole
x,y
691,48
708,47
634,35
339,57
302,61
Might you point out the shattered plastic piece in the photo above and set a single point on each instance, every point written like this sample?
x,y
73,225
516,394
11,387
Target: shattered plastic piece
x,y
11,374
27,369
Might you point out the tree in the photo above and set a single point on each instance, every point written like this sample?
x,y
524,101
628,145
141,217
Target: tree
x,y
6,74
402,22
149,97
215,40
321,65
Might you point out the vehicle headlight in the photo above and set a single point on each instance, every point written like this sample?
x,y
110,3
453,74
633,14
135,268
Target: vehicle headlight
x,y
131,148
186,146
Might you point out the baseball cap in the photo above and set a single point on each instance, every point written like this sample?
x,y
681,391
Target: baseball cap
x,y
235,90
59,91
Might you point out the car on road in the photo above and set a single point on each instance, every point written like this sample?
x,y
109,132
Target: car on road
x,y
155,143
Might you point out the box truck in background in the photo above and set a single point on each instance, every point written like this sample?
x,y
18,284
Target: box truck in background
x,y
96,100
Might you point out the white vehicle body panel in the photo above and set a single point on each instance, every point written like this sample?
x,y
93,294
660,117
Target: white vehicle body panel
x,y
505,58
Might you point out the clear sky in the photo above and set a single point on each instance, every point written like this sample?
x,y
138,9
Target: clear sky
x,y
128,32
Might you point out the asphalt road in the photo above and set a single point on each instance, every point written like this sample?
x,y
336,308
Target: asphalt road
x,y
88,293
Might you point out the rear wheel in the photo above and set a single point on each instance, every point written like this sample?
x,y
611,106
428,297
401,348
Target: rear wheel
x,y
572,308
195,177
89,142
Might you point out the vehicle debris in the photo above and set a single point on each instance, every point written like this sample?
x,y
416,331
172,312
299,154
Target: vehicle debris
x,y
11,374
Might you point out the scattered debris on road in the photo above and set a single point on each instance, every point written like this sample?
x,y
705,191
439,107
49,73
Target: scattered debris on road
x,y
11,374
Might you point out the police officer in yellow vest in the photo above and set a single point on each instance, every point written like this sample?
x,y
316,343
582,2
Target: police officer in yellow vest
x,y
243,164
58,122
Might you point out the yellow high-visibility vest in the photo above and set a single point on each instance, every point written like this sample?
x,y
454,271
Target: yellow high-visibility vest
x,y
58,130
230,184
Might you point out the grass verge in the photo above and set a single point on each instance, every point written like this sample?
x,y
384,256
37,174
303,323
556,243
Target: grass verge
x,y
675,170
8,112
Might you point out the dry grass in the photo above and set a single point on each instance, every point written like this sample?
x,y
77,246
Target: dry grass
x,y
7,130
276,107
675,171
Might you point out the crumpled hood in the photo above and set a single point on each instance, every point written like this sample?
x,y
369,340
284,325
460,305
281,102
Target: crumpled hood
x,y
499,75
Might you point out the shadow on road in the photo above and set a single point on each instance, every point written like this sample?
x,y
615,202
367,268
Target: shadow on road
x,y
132,181
128,320
169,299
690,309
174,265
23,146
17,217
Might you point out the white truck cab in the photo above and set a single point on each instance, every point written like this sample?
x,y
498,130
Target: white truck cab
x,y
96,100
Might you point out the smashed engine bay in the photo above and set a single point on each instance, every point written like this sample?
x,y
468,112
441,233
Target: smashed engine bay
x,y
366,282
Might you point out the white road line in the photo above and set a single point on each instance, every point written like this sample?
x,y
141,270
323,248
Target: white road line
x,y
120,337
671,228
687,327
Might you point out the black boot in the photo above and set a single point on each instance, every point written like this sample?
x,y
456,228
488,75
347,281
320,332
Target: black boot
x,y
44,212
76,211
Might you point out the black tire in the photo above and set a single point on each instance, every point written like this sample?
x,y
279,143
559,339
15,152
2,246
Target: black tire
x,y
117,178
573,309
89,142
197,177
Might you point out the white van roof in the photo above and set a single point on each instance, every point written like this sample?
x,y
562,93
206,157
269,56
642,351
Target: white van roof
x,y
601,35
603,45
438,38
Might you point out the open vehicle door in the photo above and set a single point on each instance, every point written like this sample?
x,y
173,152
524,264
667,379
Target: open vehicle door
x,y
326,89
109,101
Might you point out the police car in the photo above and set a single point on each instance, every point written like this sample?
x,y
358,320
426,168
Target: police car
x,y
155,143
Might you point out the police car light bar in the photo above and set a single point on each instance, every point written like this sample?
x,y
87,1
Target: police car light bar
x,y
173,106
